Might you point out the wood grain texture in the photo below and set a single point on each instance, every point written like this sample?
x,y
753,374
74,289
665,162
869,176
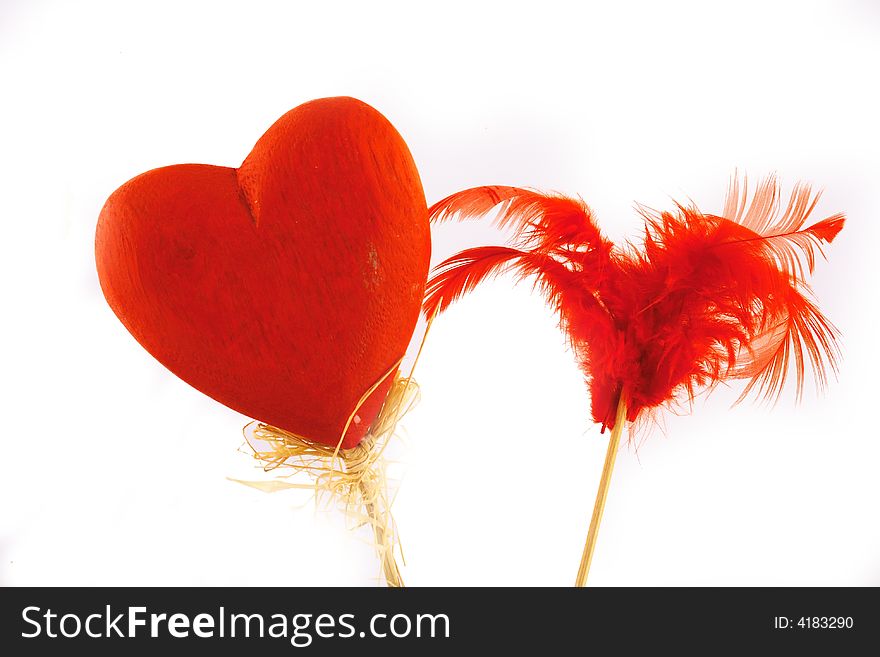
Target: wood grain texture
x,y
285,288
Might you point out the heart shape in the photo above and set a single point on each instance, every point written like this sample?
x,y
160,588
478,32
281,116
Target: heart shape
x,y
284,289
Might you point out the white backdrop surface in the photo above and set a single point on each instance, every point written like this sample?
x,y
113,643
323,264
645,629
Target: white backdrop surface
x,y
114,471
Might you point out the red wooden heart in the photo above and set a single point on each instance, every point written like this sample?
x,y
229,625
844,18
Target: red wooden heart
x,y
285,288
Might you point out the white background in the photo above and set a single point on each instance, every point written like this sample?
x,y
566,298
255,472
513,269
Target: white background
x,y
113,471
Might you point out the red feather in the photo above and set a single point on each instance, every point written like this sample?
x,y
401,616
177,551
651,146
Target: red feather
x,y
707,298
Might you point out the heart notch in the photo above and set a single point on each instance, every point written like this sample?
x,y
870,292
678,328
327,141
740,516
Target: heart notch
x,y
287,289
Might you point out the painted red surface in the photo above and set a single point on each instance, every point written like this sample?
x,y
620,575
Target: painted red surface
x,y
285,288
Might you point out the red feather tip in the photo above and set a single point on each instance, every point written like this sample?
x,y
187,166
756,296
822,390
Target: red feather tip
x,y
707,298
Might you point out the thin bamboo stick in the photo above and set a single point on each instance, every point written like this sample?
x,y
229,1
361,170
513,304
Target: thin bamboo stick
x,y
602,494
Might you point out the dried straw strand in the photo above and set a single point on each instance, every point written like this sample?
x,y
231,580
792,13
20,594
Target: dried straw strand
x,y
356,478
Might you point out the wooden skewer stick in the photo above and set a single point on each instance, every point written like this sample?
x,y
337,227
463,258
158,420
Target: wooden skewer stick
x,y
602,494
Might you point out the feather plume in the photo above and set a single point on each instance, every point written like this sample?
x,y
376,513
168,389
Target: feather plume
x,y
706,298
